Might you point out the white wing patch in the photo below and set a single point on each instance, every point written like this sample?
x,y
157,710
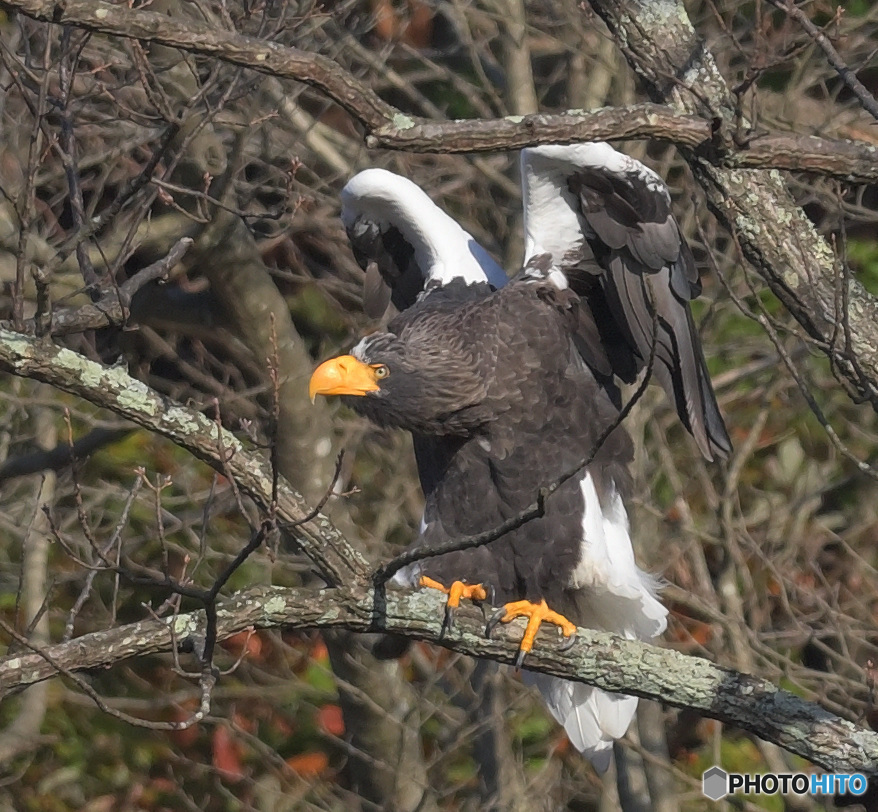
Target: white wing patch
x,y
443,250
551,222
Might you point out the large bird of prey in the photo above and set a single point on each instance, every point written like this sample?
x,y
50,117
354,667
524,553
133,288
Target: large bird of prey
x,y
506,386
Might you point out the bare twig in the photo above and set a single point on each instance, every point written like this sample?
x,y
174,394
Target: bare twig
x,y
112,309
67,69
390,128
114,389
55,459
832,56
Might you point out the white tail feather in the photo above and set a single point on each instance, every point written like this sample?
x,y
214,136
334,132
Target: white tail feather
x,y
592,718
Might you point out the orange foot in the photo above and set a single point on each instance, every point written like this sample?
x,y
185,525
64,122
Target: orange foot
x,y
457,590
536,613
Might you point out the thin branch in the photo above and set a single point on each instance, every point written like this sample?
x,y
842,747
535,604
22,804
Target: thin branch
x,y
62,455
870,105
188,35
114,539
112,308
390,128
43,653
68,151
662,46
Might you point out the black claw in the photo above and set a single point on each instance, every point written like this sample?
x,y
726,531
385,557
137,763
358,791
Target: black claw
x,y
520,658
488,602
495,619
568,643
448,621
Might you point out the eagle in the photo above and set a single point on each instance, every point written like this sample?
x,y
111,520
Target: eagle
x,y
509,385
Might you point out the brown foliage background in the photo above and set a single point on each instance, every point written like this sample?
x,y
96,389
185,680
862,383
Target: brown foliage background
x,y
113,149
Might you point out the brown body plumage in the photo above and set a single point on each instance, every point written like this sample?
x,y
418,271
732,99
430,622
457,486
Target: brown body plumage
x,y
500,404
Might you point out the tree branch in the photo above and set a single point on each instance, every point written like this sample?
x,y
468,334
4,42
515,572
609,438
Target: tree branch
x,y
62,455
112,308
832,56
390,128
114,389
600,659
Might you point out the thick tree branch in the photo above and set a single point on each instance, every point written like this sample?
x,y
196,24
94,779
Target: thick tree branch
x,y
598,658
390,128
188,35
114,389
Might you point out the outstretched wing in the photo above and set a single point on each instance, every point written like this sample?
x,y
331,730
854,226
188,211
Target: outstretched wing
x,y
605,219
410,248
406,244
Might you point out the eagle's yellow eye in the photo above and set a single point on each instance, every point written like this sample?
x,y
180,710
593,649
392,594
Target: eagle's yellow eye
x,y
381,371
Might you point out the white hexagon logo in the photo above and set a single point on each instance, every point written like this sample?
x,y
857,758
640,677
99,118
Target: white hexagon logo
x,y
715,783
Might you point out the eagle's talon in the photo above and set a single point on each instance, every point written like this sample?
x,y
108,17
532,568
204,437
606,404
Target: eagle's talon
x,y
455,592
496,618
536,614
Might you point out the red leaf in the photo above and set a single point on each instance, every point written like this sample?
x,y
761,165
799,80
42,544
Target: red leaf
x,y
330,720
309,764
245,642
226,755
318,651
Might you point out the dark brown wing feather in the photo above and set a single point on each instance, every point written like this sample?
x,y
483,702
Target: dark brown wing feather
x,y
392,274
646,280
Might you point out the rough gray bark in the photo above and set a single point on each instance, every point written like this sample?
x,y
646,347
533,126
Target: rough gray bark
x,y
336,560
258,314
385,764
772,231
651,731
23,732
661,45
385,757
388,127
501,782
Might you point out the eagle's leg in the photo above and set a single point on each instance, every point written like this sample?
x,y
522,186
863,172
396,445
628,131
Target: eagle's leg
x,y
457,590
537,614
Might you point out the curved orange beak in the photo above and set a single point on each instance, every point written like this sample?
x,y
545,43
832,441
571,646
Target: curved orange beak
x,y
344,375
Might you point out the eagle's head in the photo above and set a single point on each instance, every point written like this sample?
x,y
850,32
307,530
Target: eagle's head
x,y
416,382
